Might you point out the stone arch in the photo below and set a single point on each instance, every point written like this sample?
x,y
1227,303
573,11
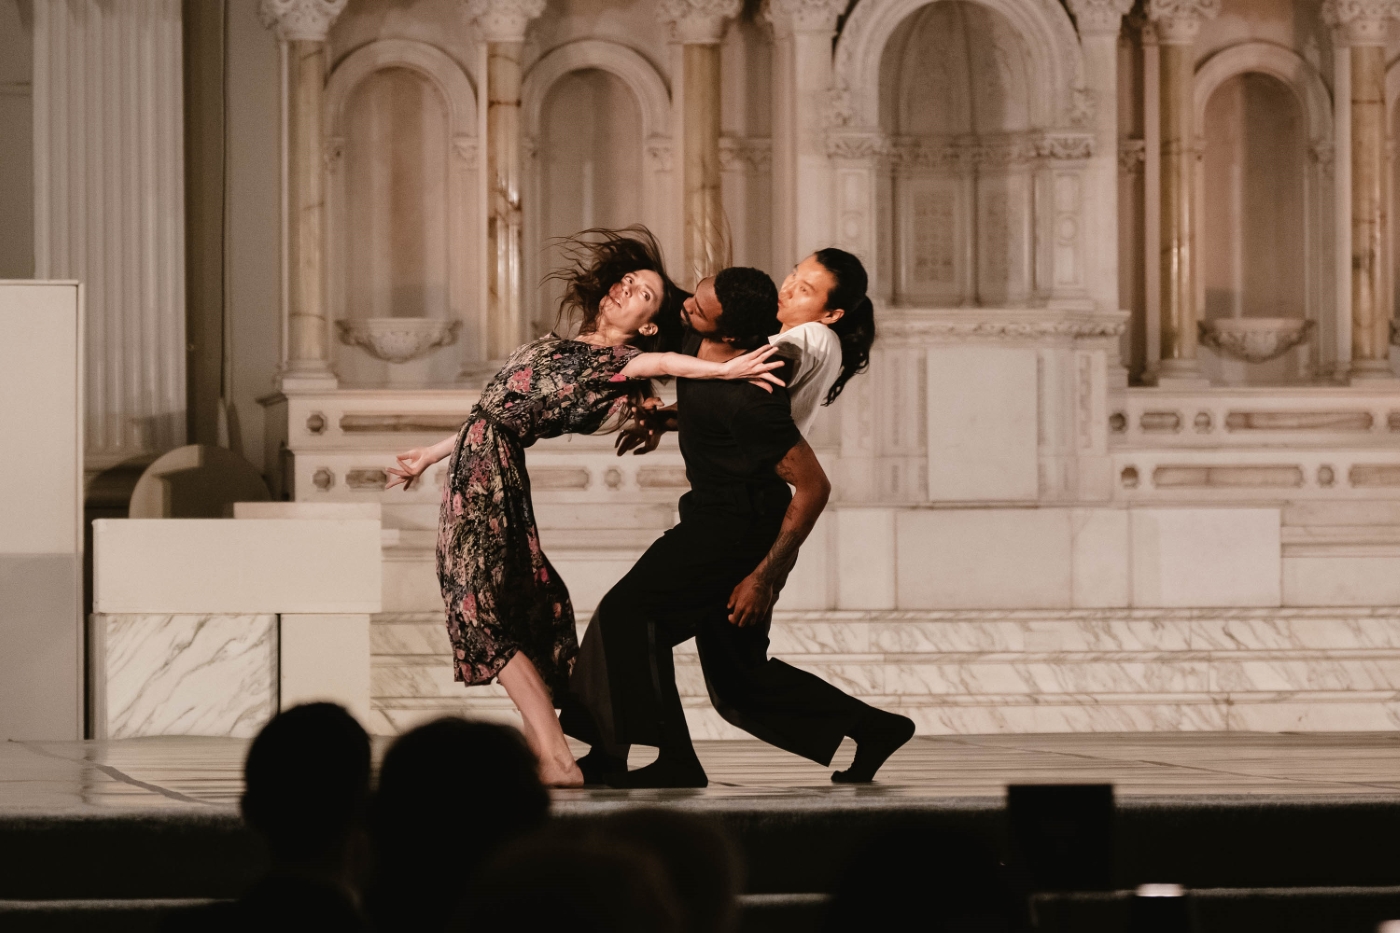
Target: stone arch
x,y
1315,103
1277,62
1058,97
466,288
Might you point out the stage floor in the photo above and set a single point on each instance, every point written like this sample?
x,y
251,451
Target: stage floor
x,y
187,773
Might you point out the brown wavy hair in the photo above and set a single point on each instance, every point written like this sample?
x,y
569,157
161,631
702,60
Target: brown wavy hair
x,y
595,260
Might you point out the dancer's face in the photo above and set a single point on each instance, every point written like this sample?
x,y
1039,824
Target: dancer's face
x,y
633,301
802,299
701,310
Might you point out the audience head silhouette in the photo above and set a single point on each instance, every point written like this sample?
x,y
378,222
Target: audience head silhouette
x,y
307,782
451,793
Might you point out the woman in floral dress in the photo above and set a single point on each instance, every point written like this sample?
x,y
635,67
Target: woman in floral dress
x,y
508,612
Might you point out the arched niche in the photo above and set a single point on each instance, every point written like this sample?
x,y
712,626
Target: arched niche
x,y
401,200
1263,120
973,195
623,150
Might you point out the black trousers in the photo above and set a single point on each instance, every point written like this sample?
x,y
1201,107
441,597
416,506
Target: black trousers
x,y
624,682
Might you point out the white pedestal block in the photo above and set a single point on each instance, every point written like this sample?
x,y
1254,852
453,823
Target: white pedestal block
x,y
983,558
41,539
244,566
182,674
326,657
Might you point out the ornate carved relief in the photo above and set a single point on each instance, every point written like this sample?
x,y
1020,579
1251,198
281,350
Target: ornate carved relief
x,y
750,154
1178,21
1363,22
1132,156
697,21
1099,17
300,20
503,20
804,15
1281,476
969,327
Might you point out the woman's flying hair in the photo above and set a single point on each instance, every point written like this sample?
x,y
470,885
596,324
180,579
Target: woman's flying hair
x,y
856,328
594,261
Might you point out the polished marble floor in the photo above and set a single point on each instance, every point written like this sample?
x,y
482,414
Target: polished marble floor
x,y
203,774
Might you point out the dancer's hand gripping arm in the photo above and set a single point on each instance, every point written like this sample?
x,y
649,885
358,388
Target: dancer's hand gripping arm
x,y
413,463
755,595
753,366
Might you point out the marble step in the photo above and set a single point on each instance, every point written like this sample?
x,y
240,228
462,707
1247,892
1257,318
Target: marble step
x,y
1031,632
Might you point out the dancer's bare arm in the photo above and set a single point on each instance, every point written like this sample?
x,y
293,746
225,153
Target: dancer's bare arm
x,y
412,463
753,366
755,595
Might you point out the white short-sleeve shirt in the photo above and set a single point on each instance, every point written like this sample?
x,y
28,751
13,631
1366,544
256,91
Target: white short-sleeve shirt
x,y
817,350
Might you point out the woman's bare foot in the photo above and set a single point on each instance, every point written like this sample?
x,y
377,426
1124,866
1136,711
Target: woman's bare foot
x,y
554,773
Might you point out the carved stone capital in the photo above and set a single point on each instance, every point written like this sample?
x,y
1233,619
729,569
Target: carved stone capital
x,y
857,147
1099,17
1361,22
502,20
789,16
750,154
1178,21
1132,156
698,22
300,20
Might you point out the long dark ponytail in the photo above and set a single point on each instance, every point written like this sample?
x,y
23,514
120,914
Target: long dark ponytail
x,y
856,328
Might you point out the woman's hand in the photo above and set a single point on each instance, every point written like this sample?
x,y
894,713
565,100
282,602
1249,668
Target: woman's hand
x,y
412,464
754,367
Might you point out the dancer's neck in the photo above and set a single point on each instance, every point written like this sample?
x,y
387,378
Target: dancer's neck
x,y
717,351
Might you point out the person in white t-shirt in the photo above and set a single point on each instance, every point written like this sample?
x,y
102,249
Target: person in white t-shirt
x,y
828,325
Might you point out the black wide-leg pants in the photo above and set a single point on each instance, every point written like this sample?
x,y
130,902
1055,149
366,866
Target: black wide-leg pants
x,y
624,681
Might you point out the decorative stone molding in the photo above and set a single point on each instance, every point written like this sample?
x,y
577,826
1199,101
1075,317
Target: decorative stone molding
x,y
1099,17
503,20
1083,105
1361,22
1178,21
789,16
857,146
1021,149
399,339
1132,155
300,20
697,22
467,149
1255,340
660,152
750,154
974,325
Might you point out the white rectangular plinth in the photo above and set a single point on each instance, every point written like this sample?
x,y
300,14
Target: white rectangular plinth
x,y
303,510
326,658
1355,580
1102,558
1206,557
982,430
182,674
245,566
983,559
865,566
41,504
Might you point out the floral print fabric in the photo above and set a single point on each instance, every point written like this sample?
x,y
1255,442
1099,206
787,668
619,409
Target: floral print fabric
x,y
501,592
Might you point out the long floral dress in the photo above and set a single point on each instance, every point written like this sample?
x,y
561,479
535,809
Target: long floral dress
x,y
501,592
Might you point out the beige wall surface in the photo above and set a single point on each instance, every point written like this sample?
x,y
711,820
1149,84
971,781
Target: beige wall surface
x,y
16,140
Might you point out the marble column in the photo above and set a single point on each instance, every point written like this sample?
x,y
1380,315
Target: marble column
x,y
698,26
302,26
109,210
1177,22
803,207
503,24
1100,22
1362,24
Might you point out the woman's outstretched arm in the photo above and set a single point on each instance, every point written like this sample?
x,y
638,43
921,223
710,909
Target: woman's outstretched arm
x,y
412,463
753,366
